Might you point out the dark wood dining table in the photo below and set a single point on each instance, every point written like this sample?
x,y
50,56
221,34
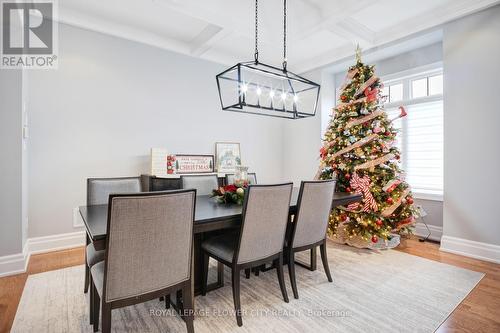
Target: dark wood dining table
x,y
211,218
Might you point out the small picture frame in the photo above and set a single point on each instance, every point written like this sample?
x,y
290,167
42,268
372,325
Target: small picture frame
x,y
194,164
227,156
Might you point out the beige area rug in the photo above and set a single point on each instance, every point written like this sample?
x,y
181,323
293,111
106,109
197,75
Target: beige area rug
x,y
385,291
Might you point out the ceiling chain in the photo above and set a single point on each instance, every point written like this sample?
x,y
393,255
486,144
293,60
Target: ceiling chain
x,y
284,36
256,55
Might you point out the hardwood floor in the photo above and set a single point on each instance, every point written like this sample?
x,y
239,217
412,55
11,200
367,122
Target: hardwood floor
x,y
11,287
479,312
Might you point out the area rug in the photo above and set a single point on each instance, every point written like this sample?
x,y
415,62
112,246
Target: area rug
x,y
387,291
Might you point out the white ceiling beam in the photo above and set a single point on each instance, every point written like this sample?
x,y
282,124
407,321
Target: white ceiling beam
x,y
352,30
206,38
330,19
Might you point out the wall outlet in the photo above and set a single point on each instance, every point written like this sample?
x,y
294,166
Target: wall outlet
x,y
77,218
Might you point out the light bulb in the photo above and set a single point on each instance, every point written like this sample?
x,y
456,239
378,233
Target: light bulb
x,y
271,93
283,95
244,88
258,91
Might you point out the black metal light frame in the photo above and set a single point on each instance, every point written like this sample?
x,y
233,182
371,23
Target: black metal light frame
x,y
279,73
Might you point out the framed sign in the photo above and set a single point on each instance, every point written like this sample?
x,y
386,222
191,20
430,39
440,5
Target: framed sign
x,y
194,163
159,165
227,156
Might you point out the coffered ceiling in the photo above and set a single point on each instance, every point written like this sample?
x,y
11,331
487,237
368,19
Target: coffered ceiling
x,y
319,31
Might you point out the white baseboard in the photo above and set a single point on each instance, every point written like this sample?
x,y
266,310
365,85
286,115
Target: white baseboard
x,y
14,264
17,263
468,248
56,242
436,232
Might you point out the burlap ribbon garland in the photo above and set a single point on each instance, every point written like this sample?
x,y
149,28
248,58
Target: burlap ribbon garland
x,y
371,164
366,118
355,145
389,210
365,85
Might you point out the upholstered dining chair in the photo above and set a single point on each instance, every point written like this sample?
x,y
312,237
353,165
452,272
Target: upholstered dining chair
x,y
262,234
142,229
252,178
204,184
98,191
310,224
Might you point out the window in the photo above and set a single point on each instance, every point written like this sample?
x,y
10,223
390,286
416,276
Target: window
x,y
421,137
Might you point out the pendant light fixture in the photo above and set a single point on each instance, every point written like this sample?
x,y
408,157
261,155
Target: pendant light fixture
x,y
256,88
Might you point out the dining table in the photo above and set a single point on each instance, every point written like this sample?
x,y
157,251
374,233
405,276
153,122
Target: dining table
x,y
211,218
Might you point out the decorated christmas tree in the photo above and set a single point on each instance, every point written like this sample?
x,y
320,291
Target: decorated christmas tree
x,y
359,151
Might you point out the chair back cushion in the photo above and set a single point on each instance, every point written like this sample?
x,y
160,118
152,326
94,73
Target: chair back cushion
x,y
203,184
265,216
99,189
149,242
313,212
252,178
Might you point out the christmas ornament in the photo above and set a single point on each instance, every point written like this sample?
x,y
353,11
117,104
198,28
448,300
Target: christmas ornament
x,y
390,201
374,239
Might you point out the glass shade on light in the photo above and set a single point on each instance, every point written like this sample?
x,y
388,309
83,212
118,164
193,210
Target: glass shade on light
x,y
261,89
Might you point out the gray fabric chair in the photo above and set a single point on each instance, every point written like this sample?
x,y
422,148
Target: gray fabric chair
x,y
204,184
98,191
261,238
142,230
252,178
310,224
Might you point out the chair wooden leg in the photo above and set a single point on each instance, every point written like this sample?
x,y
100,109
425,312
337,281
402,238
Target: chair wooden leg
x,y
167,301
291,272
87,277
91,302
324,259
279,269
204,274
247,273
97,303
235,275
187,293
106,317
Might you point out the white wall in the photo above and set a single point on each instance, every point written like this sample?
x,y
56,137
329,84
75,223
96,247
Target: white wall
x,y
109,102
10,162
472,117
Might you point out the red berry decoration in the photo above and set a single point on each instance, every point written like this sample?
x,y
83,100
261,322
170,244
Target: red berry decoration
x,y
374,239
343,98
347,176
343,217
379,222
387,133
409,200
398,157
348,189
390,201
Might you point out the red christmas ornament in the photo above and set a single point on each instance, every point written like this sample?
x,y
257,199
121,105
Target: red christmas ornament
x,y
343,98
347,176
398,157
348,189
390,201
387,133
343,217
379,222
409,200
374,239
